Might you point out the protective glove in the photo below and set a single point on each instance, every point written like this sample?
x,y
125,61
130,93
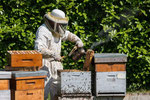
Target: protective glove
x,y
57,58
79,44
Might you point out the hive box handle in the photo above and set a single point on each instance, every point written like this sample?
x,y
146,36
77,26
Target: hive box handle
x,y
30,83
29,93
25,60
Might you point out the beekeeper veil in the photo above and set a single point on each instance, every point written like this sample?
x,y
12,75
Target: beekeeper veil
x,y
56,22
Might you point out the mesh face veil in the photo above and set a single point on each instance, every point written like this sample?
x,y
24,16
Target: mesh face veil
x,y
56,22
56,28
60,28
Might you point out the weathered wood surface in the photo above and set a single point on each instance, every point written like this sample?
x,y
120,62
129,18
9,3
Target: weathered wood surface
x,y
24,58
75,83
110,83
5,75
4,85
88,60
110,67
27,84
17,74
5,95
37,94
75,98
109,58
30,77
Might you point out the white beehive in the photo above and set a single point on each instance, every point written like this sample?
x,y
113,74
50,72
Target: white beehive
x,y
110,74
75,83
111,83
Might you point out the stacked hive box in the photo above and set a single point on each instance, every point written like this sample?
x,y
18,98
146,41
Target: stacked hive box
x,y
75,85
28,85
5,93
24,60
110,76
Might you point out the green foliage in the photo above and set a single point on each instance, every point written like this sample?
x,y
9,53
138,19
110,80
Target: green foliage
x,y
126,22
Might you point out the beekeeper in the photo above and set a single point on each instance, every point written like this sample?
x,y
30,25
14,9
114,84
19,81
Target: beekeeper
x,y
48,41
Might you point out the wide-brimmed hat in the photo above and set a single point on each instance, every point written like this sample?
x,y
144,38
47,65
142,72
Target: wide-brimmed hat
x,y
57,16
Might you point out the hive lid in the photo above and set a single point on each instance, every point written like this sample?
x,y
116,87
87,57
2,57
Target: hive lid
x,y
5,74
16,74
17,52
109,58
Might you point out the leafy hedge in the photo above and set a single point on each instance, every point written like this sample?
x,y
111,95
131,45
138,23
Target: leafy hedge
x,y
120,26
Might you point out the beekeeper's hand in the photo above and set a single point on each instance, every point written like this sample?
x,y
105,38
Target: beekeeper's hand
x,y
57,57
79,44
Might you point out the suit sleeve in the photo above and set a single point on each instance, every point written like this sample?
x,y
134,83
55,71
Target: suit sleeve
x,y
74,38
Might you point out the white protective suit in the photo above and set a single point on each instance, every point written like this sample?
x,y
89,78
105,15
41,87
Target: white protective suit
x,y
50,47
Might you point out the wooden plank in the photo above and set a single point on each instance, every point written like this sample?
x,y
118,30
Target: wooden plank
x,y
110,98
5,95
4,84
88,60
37,94
110,58
30,77
27,84
76,98
110,67
24,58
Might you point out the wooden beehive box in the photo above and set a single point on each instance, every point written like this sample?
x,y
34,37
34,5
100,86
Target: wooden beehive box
x,y
24,58
110,74
5,93
28,85
75,82
109,62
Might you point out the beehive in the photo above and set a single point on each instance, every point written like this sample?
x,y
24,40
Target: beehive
x,y
5,93
110,74
28,85
24,58
75,82
109,62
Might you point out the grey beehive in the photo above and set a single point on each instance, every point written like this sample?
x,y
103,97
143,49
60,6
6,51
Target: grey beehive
x,y
111,83
75,83
110,74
